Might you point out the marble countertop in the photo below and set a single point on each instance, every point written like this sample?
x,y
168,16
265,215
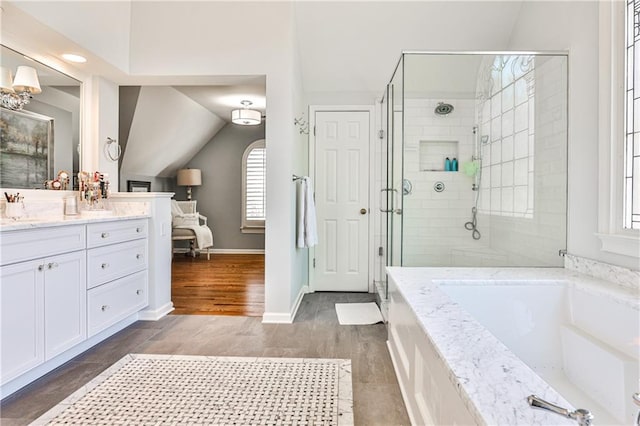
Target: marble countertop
x,y
36,223
491,380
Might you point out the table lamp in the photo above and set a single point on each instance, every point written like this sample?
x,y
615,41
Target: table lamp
x,y
189,178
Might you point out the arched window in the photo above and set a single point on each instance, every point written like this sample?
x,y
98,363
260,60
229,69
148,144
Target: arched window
x,y
254,187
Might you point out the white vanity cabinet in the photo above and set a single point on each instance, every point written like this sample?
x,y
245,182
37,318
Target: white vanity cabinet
x,y
64,288
117,279
42,303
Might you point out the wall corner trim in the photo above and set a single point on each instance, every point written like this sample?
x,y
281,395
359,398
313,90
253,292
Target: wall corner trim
x,y
285,318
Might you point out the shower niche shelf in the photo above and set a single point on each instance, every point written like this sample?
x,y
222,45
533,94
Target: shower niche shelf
x,y
433,153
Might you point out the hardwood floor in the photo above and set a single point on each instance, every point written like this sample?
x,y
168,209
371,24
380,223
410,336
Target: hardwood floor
x,y
228,284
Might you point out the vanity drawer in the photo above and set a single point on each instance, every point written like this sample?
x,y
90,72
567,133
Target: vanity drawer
x,y
18,246
111,262
112,302
101,234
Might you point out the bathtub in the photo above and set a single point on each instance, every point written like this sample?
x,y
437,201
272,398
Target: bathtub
x,y
470,344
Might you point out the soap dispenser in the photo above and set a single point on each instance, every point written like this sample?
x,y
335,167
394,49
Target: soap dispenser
x,y
454,165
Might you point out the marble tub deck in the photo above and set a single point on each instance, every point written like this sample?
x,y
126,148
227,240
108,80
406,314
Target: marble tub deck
x,y
491,380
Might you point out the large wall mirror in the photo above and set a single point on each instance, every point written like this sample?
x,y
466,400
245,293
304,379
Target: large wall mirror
x,y
43,138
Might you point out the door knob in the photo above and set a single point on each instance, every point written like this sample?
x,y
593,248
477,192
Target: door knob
x,y
363,211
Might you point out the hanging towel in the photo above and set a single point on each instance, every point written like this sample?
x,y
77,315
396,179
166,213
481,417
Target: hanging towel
x,y
307,228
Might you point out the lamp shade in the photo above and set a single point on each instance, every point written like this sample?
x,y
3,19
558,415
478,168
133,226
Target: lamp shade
x,y
246,117
189,177
26,80
6,82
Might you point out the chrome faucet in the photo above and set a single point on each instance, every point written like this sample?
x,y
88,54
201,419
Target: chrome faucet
x,y
636,399
582,416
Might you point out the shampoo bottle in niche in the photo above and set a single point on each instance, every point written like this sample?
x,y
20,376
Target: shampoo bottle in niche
x,y
447,165
454,165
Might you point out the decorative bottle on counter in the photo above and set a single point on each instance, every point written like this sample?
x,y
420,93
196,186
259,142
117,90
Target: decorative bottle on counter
x,y
454,165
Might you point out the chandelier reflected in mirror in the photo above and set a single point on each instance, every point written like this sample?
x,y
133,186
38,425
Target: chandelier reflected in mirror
x,y
16,92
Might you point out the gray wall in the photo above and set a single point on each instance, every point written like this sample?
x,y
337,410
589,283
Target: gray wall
x,y
220,196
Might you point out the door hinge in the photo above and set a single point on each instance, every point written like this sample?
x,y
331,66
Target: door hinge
x,y
314,262
314,130
381,134
380,251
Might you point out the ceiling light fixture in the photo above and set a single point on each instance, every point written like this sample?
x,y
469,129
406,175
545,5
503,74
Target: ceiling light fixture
x,y
246,116
16,92
71,57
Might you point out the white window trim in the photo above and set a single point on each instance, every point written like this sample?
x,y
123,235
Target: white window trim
x,y
250,226
614,237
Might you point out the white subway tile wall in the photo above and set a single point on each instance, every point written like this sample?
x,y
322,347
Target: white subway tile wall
x,y
522,198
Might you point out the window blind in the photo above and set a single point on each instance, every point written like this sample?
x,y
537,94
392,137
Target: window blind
x,y
255,190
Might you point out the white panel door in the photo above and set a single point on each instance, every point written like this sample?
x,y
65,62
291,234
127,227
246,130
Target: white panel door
x,y
342,201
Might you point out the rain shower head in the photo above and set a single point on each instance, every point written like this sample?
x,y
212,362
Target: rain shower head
x,y
443,109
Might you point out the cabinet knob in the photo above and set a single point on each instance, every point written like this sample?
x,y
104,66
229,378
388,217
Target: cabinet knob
x,y
40,267
138,230
52,265
138,292
104,265
104,308
105,235
138,256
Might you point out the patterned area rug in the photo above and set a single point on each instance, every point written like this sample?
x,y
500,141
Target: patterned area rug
x,y
202,390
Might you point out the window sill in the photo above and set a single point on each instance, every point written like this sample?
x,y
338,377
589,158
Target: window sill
x,y
252,230
626,245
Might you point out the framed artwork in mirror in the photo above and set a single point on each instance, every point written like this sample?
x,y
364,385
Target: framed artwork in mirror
x,y
26,149
138,186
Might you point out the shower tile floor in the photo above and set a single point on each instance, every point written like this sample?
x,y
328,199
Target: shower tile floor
x,y
315,333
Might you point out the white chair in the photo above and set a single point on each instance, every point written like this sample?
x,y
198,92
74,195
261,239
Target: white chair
x,y
184,213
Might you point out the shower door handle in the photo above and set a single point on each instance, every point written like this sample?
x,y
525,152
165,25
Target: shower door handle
x,y
382,195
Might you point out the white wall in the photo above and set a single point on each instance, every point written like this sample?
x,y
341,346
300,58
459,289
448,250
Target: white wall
x,y
574,26
228,38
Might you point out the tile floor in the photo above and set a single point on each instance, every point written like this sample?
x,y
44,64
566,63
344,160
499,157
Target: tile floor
x,y
315,333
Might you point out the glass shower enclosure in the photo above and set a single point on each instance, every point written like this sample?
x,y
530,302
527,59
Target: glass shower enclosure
x,y
473,161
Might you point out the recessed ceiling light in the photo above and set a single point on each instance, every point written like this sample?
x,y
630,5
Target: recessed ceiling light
x,y
74,58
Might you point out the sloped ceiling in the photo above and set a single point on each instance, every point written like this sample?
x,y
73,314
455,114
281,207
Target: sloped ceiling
x,y
344,46
167,130
353,46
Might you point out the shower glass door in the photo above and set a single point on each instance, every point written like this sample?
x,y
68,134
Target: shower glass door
x,y
476,160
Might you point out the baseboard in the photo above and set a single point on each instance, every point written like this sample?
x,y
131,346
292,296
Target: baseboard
x,y
156,314
285,318
237,251
37,372
303,290
221,251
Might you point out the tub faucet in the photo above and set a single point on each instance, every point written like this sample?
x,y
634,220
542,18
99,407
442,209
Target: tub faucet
x,y
582,416
636,399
